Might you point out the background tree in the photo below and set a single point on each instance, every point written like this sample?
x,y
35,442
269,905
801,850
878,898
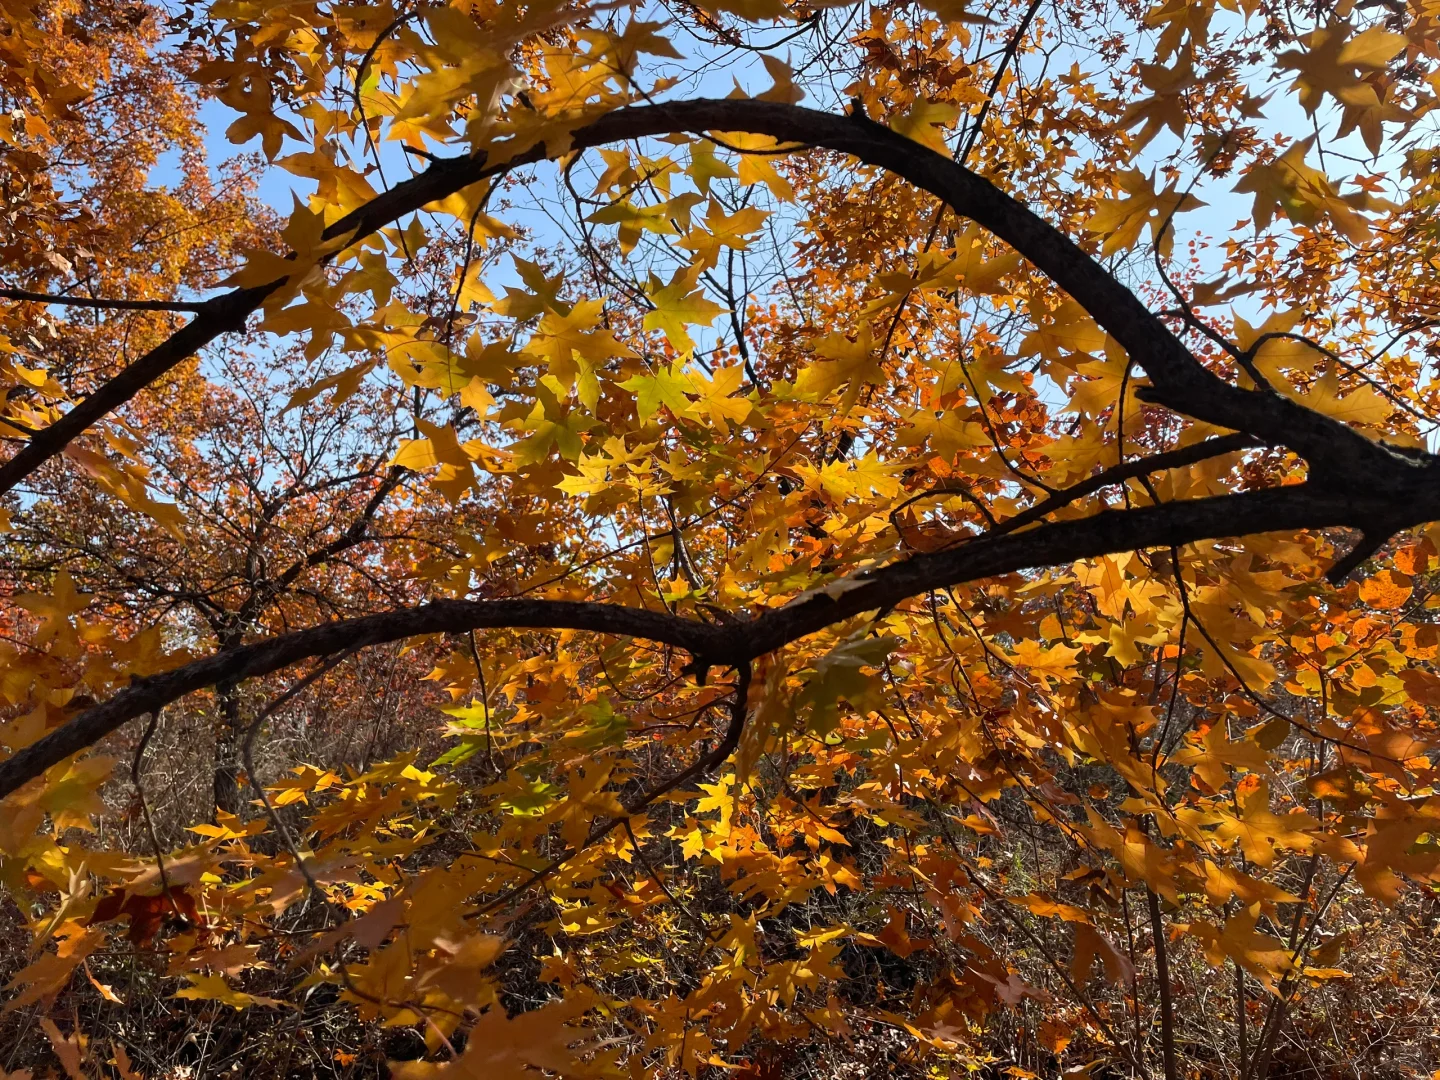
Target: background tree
x,y
898,591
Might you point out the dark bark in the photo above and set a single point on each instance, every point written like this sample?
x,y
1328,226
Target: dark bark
x,y
228,734
1162,977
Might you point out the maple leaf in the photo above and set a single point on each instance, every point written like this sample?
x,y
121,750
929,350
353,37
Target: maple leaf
x,y
543,292
560,338
717,398
146,913
505,1048
725,231
841,480
946,433
753,10
932,271
841,673
926,121
720,797
50,972
678,305
666,219
755,165
1166,109
1215,750
440,446
847,363
305,235
1364,109
1221,883
1330,57
1056,662
1304,194
227,826
466,206
586,799
1048,908
1120,221
215,988
705,166
665,387
1067,329
1264,956
1387,590
55,609
1362,405
975,267
1091,944
344,383
548,429
1260,831
71,794
895,937
70,1049
783,76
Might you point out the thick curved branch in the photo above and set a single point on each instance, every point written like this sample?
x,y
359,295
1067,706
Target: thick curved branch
x,y
1300,506
1376,484
1178,380
1178,458
274,654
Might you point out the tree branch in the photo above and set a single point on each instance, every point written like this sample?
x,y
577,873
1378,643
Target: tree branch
x,y
197,306
274,654
1299,506
1179,381
1169,459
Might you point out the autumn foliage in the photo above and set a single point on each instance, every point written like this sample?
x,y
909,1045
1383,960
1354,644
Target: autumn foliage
x,y
739,538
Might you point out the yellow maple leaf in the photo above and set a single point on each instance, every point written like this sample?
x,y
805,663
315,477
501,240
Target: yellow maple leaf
x,y
1304,194
1363,405
215,988
1328,58
1056,662
717,398
1121,220
1261,831
665,386
1210,753
925,122
851,364
1263,955
757,153
678,305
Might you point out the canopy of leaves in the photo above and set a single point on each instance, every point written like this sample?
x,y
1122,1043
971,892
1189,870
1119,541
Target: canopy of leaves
x,y
758,538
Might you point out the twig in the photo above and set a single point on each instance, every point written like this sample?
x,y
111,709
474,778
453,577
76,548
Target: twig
x,y
135,763
198,307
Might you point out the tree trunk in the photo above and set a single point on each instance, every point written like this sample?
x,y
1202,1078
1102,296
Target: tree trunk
x,y
1162,976
228,734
